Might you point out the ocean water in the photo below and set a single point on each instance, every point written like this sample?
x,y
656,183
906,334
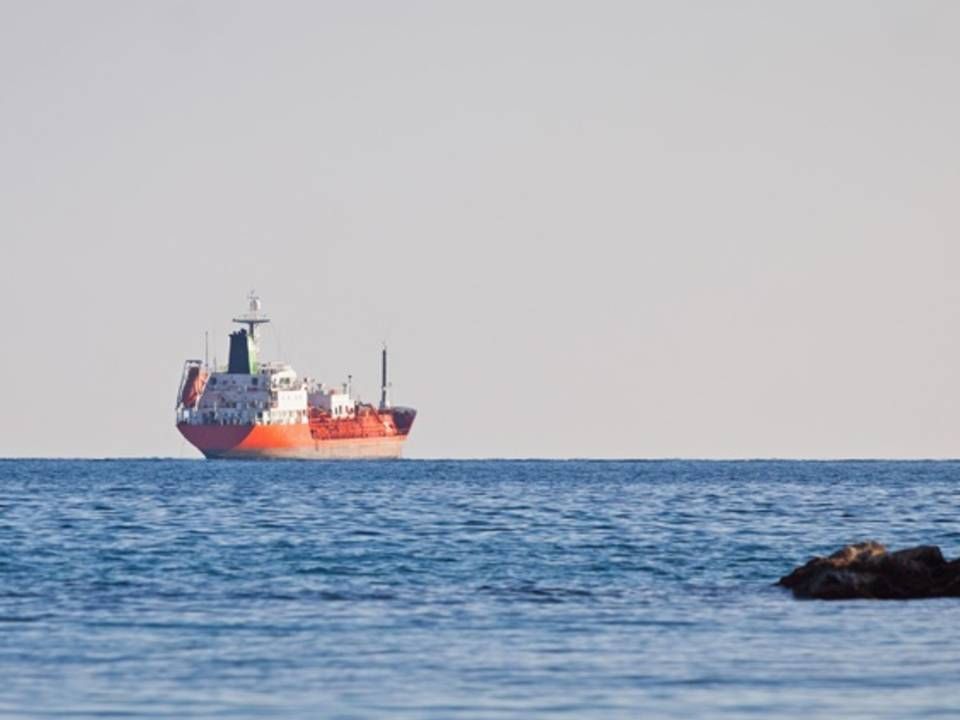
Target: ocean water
x,y
495,589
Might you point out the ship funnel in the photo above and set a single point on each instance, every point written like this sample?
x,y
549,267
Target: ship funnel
x,y
243,354
384,402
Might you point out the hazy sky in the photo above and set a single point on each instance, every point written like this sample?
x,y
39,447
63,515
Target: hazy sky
x,y
613,229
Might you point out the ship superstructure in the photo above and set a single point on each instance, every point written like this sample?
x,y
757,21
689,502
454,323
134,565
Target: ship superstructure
x,y
254,409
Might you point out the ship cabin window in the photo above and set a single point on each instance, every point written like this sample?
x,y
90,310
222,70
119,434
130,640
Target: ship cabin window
x,y
255,381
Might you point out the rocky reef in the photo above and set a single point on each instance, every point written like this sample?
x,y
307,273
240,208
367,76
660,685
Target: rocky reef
x,y
867,570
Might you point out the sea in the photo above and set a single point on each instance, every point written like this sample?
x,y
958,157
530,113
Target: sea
x,y
464,589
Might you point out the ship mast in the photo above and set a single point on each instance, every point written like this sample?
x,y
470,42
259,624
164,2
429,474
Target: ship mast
x,y
384,402
252,318
243,343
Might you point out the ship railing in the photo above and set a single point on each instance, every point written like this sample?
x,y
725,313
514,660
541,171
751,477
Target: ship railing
x,y
187,415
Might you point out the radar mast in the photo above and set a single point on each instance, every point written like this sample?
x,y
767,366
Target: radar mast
x,y
252,317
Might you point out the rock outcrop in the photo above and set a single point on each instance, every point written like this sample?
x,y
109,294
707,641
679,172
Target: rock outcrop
x,y
867,570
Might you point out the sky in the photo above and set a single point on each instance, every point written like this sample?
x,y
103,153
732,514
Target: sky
x,y
585,229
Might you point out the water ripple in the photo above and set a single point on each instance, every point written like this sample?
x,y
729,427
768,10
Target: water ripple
x,y
462,589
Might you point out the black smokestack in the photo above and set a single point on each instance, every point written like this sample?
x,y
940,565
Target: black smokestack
x,y
239,353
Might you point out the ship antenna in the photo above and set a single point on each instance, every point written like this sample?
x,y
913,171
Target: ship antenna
x,y
252,318
384,402
206,349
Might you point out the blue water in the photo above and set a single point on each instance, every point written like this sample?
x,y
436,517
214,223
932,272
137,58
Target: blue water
x,y
463,590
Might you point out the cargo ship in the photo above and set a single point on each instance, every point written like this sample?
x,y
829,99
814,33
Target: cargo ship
x,y
254,410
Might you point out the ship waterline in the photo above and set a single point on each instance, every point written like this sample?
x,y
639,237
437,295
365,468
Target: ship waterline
x,y
253,442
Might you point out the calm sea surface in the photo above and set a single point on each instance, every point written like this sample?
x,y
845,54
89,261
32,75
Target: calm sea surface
x,y
422,589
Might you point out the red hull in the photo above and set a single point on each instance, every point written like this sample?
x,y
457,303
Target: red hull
x,y
369,435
